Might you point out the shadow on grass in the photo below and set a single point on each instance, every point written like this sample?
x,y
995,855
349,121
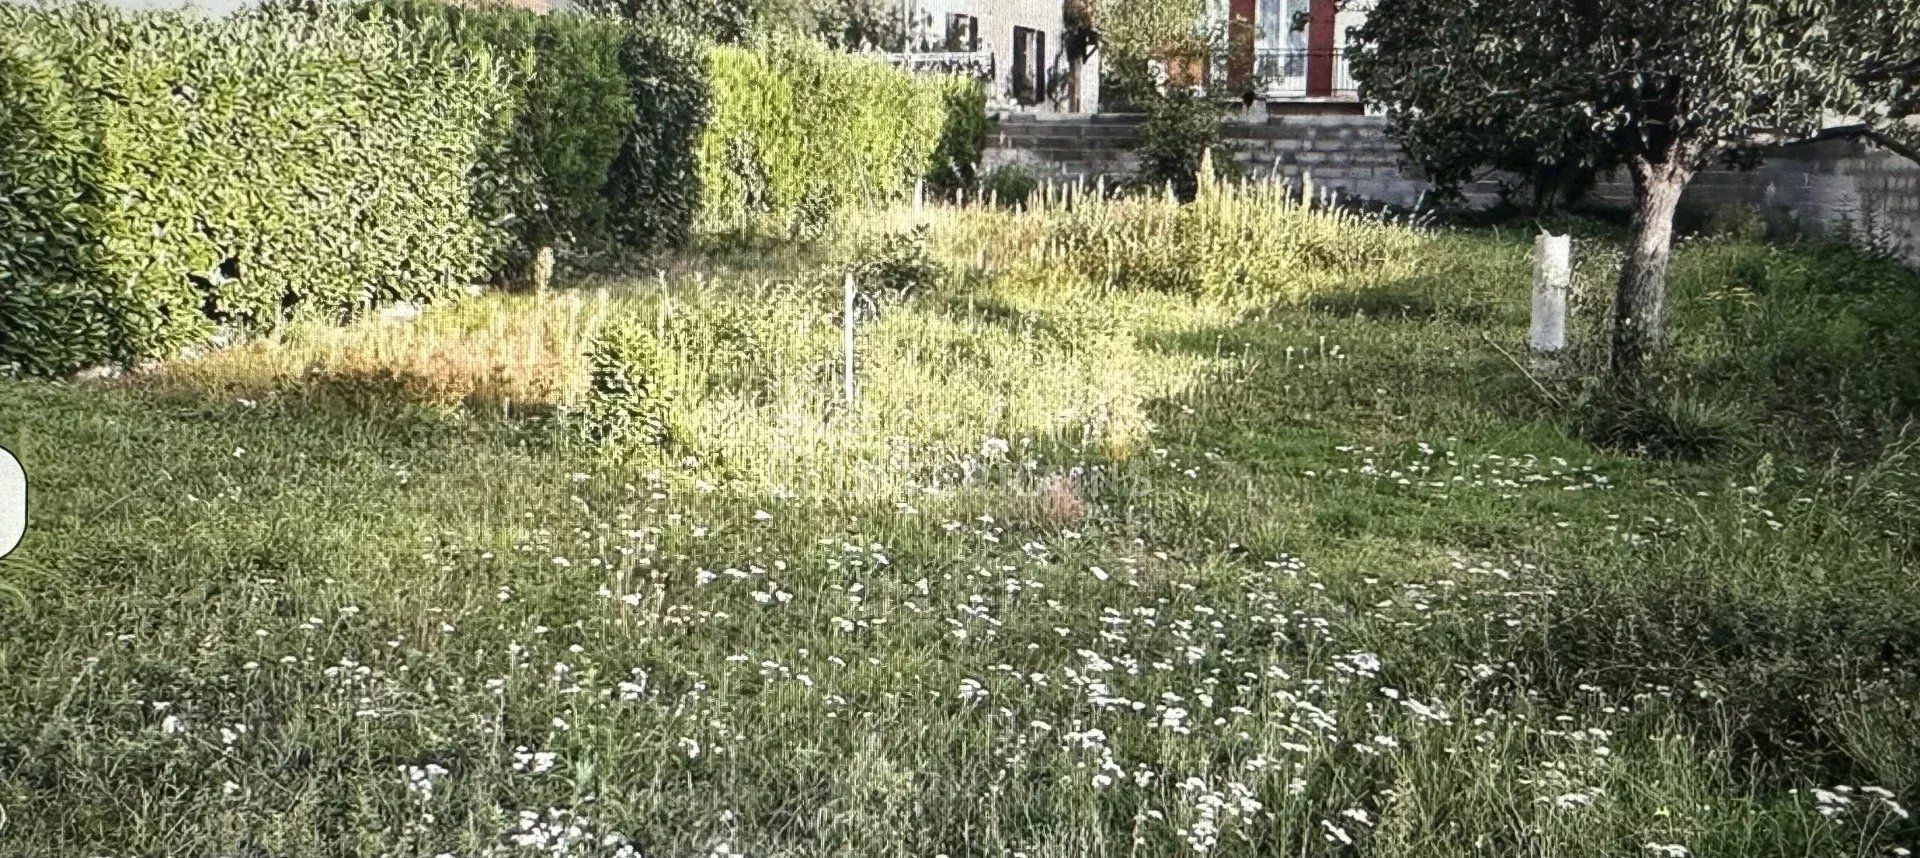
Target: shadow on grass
x,y
1769,603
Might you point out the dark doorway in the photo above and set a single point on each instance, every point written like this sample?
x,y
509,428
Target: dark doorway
x,y
1029,65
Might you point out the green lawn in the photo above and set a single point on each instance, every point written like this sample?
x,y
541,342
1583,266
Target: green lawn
x,y
1144,540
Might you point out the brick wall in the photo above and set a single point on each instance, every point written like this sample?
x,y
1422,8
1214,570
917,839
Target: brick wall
x,y
1347,154
1851,185
1843,185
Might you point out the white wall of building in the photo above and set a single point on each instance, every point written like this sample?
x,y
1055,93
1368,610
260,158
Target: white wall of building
x,y
997,20
1346,19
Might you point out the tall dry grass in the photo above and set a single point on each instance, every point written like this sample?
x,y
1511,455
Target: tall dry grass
x,y
500,355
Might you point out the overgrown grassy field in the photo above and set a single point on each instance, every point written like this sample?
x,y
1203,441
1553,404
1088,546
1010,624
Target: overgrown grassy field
x,y
1224,529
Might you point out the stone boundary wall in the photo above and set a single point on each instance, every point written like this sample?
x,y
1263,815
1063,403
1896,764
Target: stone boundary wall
x,y
1846,187
1349,154
1842,185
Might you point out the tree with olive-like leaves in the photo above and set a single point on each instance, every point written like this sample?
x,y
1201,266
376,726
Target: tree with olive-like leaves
x,y
1157,58
1665,87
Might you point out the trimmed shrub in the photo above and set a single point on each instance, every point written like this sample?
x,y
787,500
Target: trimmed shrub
x,y
655,184
627,402
963,136
724,21
169,176
191,174
800,133
1009,186
599,144
546,160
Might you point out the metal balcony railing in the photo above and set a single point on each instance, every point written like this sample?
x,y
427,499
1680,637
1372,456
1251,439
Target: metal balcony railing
x,y
1283,73
971,63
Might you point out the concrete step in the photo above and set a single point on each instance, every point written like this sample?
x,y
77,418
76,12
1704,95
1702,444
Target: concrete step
x,y
1040,139
1045,119
1034,131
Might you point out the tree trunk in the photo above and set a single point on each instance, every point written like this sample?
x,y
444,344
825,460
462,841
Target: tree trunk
x,y
1074,64
1640,304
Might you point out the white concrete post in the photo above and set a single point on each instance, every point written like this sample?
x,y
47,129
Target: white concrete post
x,y
919,196
1552,277
850,314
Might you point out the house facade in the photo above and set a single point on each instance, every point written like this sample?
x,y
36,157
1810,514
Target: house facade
x,y
1020,47
1289,54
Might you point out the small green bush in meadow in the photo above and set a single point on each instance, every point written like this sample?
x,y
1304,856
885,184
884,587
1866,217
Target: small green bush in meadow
x,y
626,402
1009,185
1665,422
963,136
1734,222
897,264
1179,145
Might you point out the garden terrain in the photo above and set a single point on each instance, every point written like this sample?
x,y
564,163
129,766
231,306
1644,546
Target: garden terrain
x,y
1227,528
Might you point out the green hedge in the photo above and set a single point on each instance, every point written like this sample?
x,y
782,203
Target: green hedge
x,y
604,120
166,175
656,180
963,136
725,21
800,133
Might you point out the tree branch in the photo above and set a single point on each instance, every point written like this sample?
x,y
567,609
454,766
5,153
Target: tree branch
x,y
1894,144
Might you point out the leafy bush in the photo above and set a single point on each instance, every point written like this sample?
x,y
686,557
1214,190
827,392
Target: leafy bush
x,y
1735,222
627,402
603,124
171,203
963,136
898,264
724,21
173,176
1179,142
1009,185
655,183
800,133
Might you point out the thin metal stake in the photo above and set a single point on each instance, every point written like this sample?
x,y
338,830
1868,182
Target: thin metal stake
x,y
851,314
